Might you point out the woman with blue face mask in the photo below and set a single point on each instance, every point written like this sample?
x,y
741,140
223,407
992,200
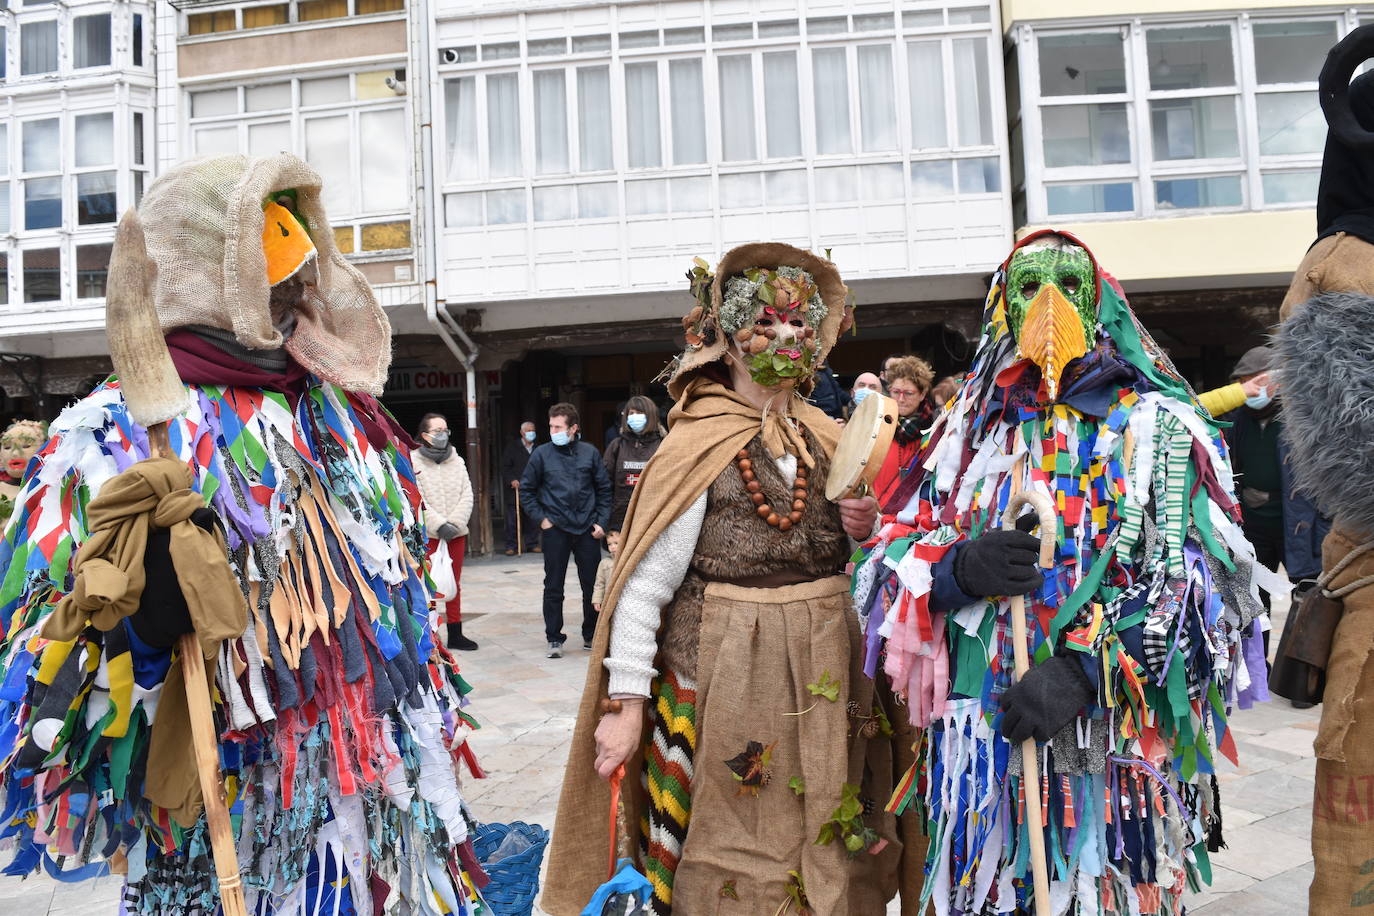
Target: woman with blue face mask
x,y
629,452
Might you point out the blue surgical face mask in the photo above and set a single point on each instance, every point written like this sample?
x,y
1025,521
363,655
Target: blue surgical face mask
x,y
860,394
529,436
1259,401
560,438
637,422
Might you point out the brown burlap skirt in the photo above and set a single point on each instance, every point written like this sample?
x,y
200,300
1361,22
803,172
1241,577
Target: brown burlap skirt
x,y
1343,806
759,651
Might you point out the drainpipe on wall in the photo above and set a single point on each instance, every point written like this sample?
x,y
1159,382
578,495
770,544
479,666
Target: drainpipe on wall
x,y
423,80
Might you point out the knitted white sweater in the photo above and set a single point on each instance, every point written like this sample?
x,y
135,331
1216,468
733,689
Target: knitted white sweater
x,y
652,584
447,492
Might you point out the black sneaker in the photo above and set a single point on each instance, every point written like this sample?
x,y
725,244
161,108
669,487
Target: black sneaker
x,y
586,643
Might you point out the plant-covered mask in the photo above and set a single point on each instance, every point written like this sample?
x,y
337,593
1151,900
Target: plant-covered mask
x,y
773,315
1051,304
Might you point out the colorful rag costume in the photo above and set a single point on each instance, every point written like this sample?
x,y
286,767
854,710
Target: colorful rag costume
x,y
339,718
767,753
1153,592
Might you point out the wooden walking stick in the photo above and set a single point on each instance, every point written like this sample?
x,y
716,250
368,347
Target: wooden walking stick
x,y
519,530
154,394
1030,763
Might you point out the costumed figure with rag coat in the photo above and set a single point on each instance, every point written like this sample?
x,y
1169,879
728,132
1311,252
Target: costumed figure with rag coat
x,y
1144,631
1328,383
725,674
239,481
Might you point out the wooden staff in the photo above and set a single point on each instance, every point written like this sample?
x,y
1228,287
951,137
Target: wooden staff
x,y
205,741
519,530
1030,763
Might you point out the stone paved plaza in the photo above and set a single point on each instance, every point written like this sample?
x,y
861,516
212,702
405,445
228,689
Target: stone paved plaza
x,y
526,704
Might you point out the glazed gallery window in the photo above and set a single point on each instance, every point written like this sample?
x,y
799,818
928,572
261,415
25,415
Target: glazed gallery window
x,y
91,41
261,16
666,114
38,47
88,178
331,121
1157,117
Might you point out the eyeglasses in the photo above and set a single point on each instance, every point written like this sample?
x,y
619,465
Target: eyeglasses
x,y
902,394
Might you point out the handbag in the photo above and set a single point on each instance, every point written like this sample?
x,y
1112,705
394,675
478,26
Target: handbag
x,y
441,573
626,892
1299,669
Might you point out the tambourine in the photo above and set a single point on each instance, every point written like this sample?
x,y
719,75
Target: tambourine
x,y
864,445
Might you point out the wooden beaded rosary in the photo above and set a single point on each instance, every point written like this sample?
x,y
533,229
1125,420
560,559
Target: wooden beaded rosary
x,y
766,512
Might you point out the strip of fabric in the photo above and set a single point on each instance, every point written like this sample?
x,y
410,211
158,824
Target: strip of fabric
x,y
668,767
1153,586
345,720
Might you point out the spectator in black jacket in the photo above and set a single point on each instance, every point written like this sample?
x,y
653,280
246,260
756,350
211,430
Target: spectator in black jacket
x,y
566,487
828,395
627,454
513,461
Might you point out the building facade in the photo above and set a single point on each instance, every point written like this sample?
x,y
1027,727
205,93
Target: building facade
x,y
1183,141
525,183
77,106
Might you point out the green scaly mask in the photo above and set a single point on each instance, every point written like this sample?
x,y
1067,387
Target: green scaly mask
x,y
1051,306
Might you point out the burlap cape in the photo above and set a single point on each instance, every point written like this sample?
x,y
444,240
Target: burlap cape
x,y
708,426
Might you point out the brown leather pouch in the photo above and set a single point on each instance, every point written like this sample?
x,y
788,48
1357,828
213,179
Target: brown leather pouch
x,y
1299,669
1318,616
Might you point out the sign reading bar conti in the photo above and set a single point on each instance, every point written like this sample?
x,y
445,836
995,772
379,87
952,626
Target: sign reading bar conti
x,y
419,381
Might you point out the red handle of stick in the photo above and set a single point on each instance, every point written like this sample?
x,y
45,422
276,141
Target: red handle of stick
x,y
616,778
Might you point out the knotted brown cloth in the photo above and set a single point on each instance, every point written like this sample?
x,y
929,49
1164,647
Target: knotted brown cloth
x,y
155,493
709,425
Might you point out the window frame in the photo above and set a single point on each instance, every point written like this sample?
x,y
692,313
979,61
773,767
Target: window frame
x,y
1144,169
296,115
293,19
464,60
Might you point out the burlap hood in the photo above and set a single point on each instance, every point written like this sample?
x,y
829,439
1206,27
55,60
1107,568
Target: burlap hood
x,y
739,259
202,225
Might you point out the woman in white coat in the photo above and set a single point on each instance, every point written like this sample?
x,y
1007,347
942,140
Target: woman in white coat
x,y
447,491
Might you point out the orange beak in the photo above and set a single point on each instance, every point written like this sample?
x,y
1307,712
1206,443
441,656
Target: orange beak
x,y
1052,336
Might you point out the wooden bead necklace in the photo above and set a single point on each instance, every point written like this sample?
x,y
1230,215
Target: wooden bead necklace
x,y
780,521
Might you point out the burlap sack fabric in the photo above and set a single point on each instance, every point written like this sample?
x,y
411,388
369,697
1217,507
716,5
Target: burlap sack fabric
x,y
202,224
1343,803
749,675
759,648
1339,262
708,426
1343,807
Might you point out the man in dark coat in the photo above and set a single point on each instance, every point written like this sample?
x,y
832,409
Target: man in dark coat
x,y
513,461
566,487
828,395
1282,524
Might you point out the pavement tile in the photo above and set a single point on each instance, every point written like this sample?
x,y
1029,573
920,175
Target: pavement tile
x,y
1266,793
1261,851
1295,822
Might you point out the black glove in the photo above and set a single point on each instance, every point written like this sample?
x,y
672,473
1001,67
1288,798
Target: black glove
x,y
162,615
447,531
999,563
1046,699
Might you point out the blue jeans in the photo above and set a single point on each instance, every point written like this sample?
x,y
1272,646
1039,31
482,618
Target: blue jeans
x,y
586,552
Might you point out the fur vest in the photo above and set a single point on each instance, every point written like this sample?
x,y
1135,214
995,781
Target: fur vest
x,y
737,545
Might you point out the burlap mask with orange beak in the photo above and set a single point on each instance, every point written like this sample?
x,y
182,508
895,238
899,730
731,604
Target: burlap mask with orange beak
x,y
1051,302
